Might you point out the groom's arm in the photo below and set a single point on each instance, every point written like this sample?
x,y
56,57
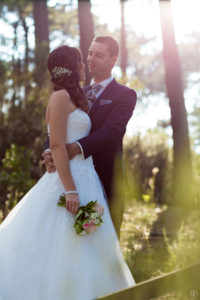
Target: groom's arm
x,y
46,144
115,125
47,157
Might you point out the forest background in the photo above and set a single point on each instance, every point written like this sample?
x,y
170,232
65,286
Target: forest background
x,y
160,59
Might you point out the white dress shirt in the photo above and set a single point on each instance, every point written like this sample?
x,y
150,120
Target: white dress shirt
x,y
104,84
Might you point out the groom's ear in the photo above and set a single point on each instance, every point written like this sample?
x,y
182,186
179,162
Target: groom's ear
x,y
114,59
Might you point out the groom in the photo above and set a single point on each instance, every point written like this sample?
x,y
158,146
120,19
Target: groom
x,y
111,106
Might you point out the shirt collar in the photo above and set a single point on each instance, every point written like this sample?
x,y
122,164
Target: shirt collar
x,y
105,82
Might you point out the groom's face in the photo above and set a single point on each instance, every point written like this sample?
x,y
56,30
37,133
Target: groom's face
x,y
99,60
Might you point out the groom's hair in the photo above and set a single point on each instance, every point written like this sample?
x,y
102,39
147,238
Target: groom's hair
x,y
113,46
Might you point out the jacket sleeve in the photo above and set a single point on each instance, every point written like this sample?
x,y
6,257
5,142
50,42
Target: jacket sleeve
x,y
46,144
114,126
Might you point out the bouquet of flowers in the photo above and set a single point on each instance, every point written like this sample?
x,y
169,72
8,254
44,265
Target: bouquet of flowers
x,y
88,217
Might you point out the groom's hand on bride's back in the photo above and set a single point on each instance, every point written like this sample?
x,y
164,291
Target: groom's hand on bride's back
x,y
72,150
48,161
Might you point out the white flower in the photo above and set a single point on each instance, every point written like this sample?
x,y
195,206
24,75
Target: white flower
x,y
94,215
96,221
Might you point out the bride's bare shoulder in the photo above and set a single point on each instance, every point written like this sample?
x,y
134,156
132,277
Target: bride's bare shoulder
x,y
59,102
61,95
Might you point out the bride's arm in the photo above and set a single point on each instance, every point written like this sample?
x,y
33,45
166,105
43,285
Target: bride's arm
x,y
59,104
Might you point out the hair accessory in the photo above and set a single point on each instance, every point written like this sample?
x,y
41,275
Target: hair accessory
x,y
59,71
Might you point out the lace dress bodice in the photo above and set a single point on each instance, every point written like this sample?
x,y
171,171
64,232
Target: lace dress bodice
x,y
78,126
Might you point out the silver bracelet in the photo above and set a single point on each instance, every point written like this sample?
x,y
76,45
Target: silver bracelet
x,y
70,192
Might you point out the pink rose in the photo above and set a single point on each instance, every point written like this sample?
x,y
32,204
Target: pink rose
x,y
85,225
99,209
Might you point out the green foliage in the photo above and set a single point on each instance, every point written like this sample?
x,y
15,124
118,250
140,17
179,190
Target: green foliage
x,y
147,163
196,123
133,83
196,181
3,131
15,177
143,260
191,295
150,255
23,96
3,84
184,249
63,21
14,6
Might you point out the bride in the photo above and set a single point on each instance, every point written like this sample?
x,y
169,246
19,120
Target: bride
x,y
41,255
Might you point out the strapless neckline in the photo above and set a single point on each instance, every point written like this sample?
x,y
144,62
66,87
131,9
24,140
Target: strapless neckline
x,y
75,110
71,113
78,125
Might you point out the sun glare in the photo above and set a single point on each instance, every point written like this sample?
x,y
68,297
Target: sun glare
x,y
143,17
186,17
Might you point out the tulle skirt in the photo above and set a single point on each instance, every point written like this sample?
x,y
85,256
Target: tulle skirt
x,y
42,257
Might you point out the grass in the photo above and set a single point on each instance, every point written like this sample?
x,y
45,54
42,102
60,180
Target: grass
x,y
192,295
135,238
157,239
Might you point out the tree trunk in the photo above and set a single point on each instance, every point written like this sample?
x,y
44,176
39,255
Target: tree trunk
x,y
86,29
15,66
26,61
182,169
123,49
40,12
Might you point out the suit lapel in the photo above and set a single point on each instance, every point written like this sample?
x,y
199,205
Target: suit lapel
x,y
108,92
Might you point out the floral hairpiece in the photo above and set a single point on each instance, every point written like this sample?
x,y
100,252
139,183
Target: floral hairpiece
x,y
59,71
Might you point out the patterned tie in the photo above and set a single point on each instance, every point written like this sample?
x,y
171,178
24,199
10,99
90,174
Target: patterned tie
x,y
91,94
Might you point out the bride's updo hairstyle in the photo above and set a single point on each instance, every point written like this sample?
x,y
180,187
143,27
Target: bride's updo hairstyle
x,y
64,65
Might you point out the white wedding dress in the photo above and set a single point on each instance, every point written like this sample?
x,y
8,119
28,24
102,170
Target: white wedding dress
x,y
41,256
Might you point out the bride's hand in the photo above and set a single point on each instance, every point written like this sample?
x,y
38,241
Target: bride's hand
x,y
72,203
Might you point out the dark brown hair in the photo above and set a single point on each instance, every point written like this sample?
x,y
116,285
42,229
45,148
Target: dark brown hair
x,y
69,58
113,46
